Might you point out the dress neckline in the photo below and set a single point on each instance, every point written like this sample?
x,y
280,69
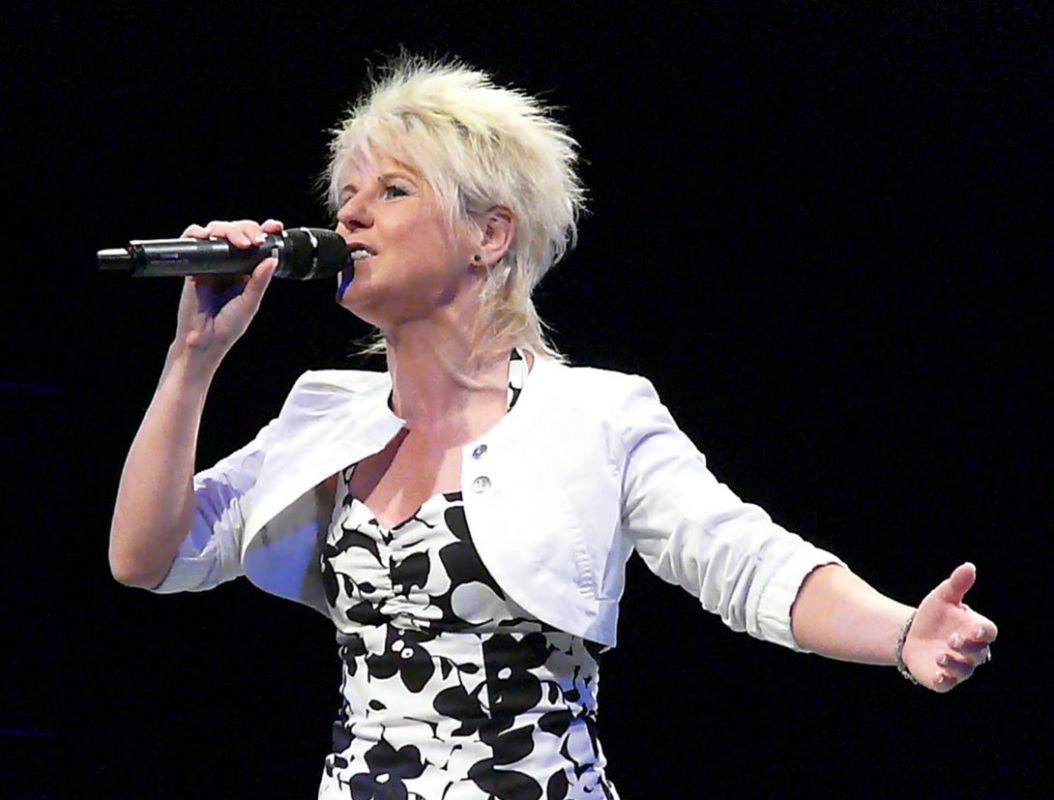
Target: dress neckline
x,y
519,369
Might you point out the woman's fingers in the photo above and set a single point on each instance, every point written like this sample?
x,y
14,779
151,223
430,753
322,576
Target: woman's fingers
x,y
215,310
259,281
985,632
194,232
970,651
960,657
949,640
241,233
958,583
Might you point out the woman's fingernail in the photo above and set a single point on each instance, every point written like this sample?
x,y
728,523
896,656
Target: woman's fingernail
x,y
956,640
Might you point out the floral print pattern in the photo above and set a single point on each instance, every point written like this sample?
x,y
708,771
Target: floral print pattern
x,y
450,691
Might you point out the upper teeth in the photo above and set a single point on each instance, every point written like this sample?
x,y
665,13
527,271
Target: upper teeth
x,y
359,252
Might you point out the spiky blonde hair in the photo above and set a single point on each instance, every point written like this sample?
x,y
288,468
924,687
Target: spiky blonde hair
x,y
477,145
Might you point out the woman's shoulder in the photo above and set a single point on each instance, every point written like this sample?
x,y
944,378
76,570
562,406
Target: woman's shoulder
x,y
579,402
316,391
354,381
596,383
617,401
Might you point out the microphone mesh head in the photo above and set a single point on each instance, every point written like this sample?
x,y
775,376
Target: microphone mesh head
x,y
313,253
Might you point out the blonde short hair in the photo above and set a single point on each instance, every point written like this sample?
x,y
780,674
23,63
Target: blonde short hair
x,y
477,145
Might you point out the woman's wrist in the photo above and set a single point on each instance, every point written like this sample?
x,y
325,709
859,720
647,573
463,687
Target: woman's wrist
x,y
189,364
898,652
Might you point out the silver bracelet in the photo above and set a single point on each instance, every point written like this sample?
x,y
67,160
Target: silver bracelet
x,y
902,637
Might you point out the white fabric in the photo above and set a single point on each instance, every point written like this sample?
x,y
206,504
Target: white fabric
x,y
587,467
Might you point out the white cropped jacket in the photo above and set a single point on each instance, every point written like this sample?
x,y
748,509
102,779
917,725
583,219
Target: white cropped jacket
x,y
586,468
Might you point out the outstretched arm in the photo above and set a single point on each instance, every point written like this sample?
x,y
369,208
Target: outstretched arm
x,y
839,615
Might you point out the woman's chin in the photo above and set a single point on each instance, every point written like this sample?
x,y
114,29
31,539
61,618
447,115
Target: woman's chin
x,y
366,308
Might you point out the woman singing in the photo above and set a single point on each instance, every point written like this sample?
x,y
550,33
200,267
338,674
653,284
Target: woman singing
x,y
465,517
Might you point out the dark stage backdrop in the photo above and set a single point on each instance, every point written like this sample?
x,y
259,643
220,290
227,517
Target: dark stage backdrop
x,y
823,234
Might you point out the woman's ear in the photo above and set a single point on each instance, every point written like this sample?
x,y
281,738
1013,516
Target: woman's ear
x,y
497,228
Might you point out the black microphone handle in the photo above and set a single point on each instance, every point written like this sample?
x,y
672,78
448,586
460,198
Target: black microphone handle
x,y
302,253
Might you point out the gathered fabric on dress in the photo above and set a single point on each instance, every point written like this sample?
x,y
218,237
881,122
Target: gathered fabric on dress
x,y
450,691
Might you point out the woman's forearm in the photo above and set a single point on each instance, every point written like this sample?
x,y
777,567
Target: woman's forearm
x,y
838,615
155,499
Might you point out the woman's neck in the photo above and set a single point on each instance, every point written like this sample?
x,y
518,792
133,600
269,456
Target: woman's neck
x,y
439,386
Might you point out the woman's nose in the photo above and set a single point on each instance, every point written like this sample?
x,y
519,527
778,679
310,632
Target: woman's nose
x,y
355,214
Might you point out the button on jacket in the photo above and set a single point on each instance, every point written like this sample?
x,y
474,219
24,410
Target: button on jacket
x,y
586,468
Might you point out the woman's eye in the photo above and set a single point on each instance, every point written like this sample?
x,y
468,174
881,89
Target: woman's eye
x,y
395,191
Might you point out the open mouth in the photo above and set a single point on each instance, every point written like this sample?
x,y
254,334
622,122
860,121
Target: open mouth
x,y
357,251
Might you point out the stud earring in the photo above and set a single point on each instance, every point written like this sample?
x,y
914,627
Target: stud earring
x,y
477,258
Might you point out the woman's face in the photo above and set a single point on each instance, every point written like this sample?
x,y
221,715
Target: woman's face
x,y
409,264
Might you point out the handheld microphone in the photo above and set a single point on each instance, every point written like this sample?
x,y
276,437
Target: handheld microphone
x,y
302,253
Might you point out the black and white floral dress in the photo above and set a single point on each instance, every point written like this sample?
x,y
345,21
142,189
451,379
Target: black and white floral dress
x,y
450,690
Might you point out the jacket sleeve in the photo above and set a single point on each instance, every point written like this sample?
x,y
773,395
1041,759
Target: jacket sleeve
x,y
693,531
211,552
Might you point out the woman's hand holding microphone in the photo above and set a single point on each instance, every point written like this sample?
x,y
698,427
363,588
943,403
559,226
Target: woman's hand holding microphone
x,y
215,310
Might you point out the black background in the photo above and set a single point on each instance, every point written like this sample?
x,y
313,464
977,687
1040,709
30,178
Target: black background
x,y
823,232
